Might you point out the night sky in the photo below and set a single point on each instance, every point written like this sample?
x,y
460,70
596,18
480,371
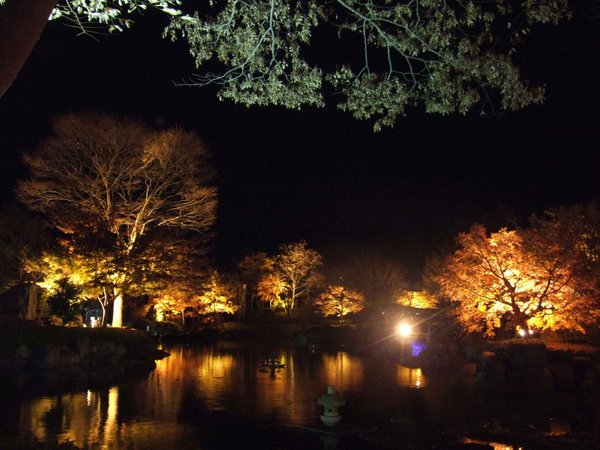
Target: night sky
x,y
320,175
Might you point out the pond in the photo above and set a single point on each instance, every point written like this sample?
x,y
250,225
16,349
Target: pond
x,y
233,396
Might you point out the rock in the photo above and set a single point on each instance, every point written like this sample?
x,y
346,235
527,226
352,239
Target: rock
x,y
20,302
526,354
23,352
591,382
106,352
563,376
529,379
581,365
492,373
46,356
69,358
11,362
559,356
82,347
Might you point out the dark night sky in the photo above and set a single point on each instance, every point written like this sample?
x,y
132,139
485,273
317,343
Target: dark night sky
x,y
318,174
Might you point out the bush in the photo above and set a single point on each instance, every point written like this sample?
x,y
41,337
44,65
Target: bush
x,y
64,302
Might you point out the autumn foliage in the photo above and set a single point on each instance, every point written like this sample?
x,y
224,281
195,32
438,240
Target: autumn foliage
x,y
519,279
292,275
339,301
417,299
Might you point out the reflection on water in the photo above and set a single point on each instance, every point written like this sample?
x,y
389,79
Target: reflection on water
x,y
410,377
343,371
86,418
194,396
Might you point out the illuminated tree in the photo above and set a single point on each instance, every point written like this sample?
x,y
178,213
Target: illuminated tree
x,y
574,233
270,288
417,299
433,266
509,275
339,301
296,264
23,239
176,284
447,56
252,268
111,187
217,296
65,301
379,278
173,302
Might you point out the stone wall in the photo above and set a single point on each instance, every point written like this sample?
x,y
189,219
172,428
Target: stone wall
x,y
529,366
20,302
23,344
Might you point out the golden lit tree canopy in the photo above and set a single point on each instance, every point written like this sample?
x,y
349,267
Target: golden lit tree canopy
x,y
339,301
297,265
270,288
252,268
288,276
525,278
217,296
417,299
99,171
121,194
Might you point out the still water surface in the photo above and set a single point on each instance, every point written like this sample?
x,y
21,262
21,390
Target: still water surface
x,y
220,396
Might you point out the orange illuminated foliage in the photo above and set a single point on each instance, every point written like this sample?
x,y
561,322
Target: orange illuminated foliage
x,y
289,276
173,304
252,268
417,299
217,296
270,289
112,186
339,301
297,264
517,278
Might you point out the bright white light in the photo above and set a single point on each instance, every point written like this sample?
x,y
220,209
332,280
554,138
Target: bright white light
x,y
404,329
522,332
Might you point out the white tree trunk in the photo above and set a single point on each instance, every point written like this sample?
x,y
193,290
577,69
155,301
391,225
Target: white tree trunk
x,y
117,320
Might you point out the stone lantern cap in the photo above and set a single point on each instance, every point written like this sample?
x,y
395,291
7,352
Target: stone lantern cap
x,y
331,400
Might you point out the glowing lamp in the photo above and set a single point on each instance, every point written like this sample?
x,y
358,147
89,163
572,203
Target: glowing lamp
x,y
404,329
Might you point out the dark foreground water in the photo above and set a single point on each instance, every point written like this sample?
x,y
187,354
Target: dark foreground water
x,y
221,397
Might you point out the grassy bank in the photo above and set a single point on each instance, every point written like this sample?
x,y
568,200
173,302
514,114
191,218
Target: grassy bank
x,y
22,333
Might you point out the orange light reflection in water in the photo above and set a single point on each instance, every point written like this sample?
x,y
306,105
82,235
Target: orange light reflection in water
x,y
87,418
343,371
410,377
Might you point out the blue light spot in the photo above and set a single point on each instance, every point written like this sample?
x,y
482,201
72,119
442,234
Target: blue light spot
x,y
417,347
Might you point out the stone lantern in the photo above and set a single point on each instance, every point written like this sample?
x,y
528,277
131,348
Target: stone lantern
x,y
331,401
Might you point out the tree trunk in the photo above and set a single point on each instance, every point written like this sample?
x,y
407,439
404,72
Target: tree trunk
x,y
21,24
117,320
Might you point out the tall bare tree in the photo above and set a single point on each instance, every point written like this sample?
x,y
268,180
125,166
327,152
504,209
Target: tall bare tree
x,y
296,264
113,184
378,277
252,268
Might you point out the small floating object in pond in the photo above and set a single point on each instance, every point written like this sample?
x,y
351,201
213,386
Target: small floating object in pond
x,y
272,364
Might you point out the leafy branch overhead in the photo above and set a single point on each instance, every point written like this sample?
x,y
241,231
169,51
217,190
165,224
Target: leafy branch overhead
x,y
376,58
445,56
